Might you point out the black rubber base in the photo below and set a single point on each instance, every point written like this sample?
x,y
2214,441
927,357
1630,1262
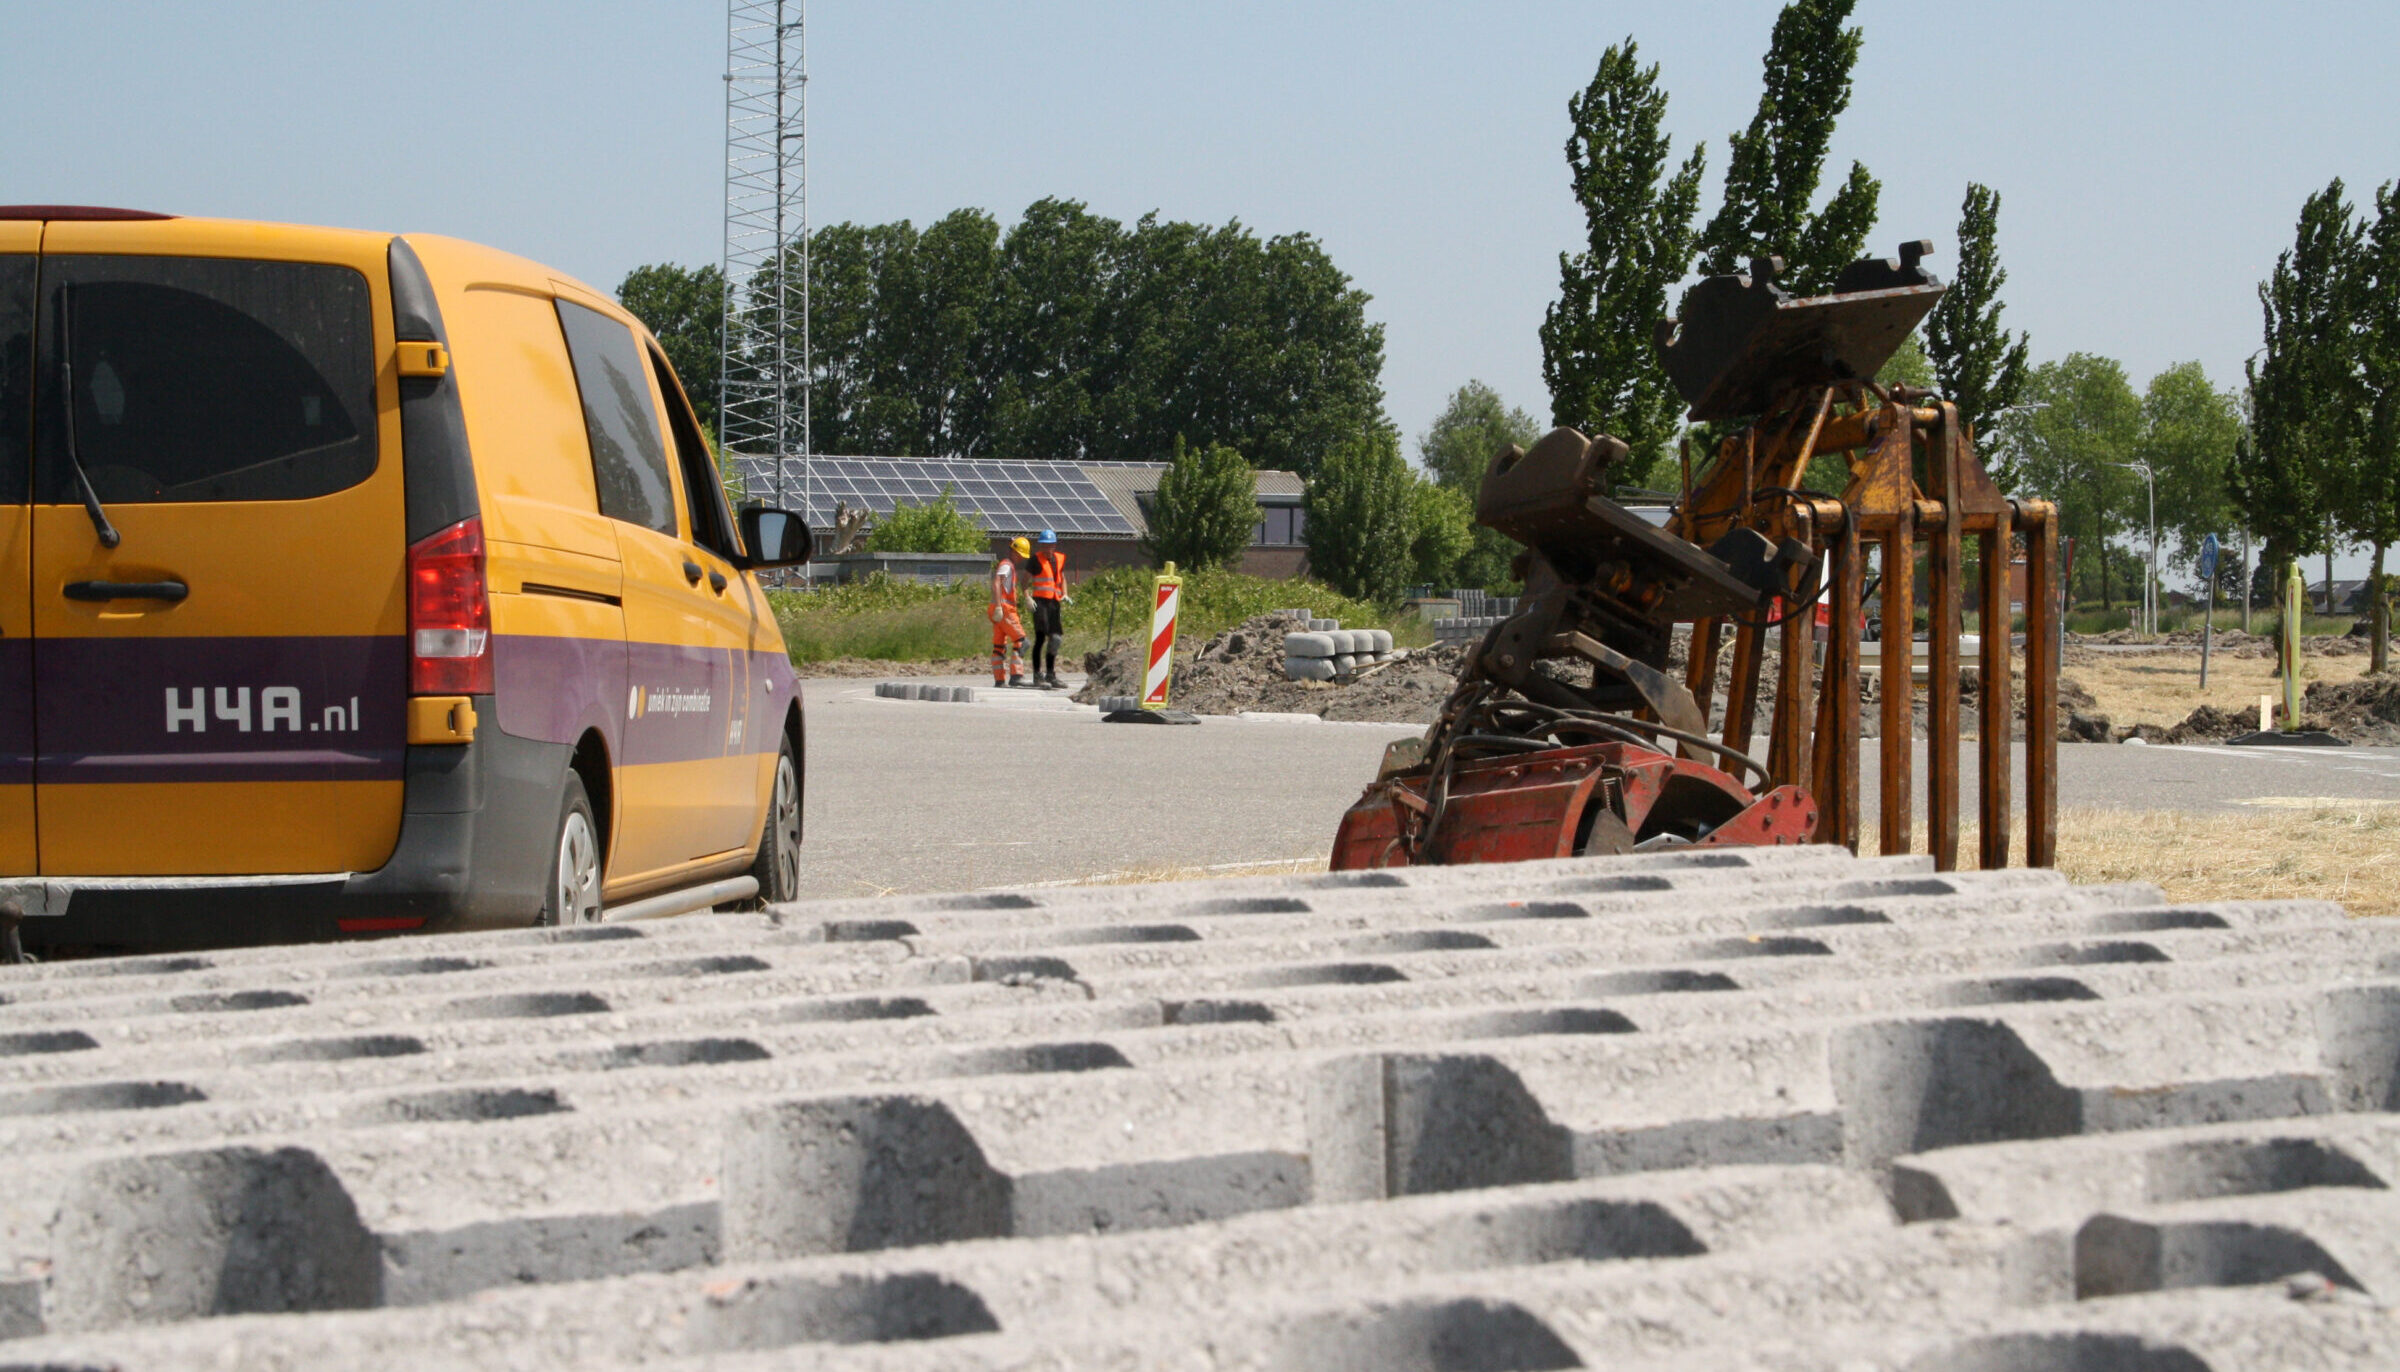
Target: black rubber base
x,y
1150,717
2272,738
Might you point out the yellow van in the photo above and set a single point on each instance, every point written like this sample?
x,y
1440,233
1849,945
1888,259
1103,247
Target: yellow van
x,y
353,582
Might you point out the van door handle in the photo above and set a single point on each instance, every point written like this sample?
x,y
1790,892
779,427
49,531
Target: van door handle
x,y
691,571
172,592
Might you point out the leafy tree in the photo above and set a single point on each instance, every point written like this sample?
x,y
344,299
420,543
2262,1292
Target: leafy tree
x,y
1050,303
685,307
2287,477
1206,506
1774,167
2189,429
852,356
2375,498
1458,446
1603,373
1077,338
1977,365
936,526
1444,534
1907,366
1361,516
1213,333
2069,450
934,326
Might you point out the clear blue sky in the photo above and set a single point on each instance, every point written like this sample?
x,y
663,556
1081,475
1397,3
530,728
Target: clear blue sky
x,y
2152,156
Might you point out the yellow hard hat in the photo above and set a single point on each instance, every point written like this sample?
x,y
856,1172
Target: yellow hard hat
x,y
1024,549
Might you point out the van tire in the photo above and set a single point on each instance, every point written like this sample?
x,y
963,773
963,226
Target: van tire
x,y
571,883
778,867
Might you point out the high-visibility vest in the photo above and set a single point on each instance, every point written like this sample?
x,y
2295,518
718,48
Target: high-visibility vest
x,y
1049,576
1004,588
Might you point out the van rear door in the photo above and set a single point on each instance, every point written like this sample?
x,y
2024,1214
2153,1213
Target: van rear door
x,y
18,241
221,691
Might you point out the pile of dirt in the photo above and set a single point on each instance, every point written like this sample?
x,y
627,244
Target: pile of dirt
x,y
2208,724
1242,669
2365,711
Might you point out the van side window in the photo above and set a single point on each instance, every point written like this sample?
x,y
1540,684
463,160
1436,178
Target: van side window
x,y
16,376
205,379
629,461
703,491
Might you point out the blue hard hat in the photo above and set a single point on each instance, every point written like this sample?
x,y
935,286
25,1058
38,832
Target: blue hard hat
x,y
1047,537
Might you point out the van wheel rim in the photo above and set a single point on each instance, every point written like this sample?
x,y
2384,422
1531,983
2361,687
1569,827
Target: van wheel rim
x,y
787,831
578,872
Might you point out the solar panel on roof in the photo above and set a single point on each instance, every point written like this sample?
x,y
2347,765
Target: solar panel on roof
x,y
1005,497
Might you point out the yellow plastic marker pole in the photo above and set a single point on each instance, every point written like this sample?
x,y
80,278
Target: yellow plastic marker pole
x,y
2295,595
1166,601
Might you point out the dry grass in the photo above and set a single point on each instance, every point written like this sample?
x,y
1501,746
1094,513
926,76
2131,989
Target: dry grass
x,y
2347,851
2162,688
2279,848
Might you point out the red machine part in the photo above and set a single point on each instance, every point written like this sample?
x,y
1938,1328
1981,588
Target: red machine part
x,y
1562,802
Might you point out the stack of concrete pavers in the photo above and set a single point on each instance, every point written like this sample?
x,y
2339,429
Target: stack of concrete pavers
x,y
1326,651
918,690
1464,628
1767,1108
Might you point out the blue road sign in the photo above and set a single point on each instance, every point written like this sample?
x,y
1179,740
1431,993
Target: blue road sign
x,y
2208,557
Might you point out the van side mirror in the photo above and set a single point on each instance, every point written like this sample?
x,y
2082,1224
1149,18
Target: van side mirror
x,y
774,538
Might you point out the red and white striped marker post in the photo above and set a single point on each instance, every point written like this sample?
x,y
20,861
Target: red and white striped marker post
x,y
1166,601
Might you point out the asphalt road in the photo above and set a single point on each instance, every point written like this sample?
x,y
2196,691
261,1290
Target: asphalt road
x,y
909,796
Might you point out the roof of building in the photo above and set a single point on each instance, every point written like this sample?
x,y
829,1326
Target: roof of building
x,y
1082,499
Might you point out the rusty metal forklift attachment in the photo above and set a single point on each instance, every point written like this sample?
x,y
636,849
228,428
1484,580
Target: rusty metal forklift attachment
x,y
1567,734
1800,372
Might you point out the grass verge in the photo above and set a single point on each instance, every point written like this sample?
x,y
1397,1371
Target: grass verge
x,y
908,621
2346,851
2287,848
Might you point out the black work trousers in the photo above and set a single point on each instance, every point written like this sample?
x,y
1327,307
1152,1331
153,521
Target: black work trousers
x,y
1046,633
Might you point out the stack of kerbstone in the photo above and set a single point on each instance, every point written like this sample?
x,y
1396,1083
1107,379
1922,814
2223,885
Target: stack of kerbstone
x,y
1464,628
1326,651
1763,1108
917,690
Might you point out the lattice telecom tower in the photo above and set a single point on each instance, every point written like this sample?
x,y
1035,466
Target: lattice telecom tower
x,y
764,403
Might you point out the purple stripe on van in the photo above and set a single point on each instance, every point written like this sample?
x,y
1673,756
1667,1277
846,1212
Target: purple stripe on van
x,y
220,709
680,703
552,689
16,712
652,702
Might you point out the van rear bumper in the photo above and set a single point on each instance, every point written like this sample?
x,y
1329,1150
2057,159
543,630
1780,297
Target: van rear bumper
x,y
473,853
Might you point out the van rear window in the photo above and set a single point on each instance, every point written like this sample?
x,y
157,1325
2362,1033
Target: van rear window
x,y
206,379
629,459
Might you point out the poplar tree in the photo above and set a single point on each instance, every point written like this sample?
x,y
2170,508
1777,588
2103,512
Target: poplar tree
x,y
1775,166
1977,364
2374,498
2286,478
1603,374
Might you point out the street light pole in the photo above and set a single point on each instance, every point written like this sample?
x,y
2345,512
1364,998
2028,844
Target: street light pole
x,y
2150,581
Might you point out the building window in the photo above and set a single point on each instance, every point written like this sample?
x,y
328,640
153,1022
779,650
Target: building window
x,y
1279,526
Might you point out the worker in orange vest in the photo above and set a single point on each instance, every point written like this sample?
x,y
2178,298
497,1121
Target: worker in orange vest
x,y
1048,587
1008,632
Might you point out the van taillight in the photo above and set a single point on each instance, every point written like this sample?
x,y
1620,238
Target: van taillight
x,y
449,616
